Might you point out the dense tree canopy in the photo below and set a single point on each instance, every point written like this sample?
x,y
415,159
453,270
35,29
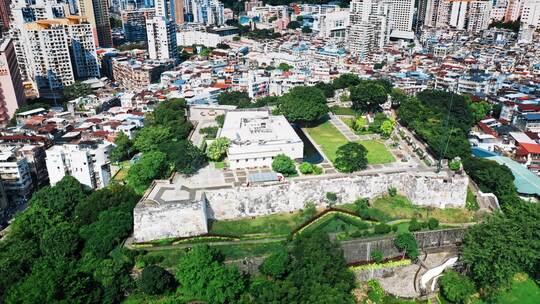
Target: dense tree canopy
x,y
442,119
218,148
52,255
123,148
152,165
456,288
184,156
492,178
77,89
234,98
368,96
345,81
303,104
351,157
202,276
150,137
155,280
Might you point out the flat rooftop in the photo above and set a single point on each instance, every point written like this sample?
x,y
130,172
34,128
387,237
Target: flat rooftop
x,y
257,131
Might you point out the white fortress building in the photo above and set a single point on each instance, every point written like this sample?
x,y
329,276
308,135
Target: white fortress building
x,y
257,137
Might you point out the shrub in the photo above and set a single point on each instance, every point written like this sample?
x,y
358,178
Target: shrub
x,y
395,228
377,256
218,148
284,165
220,119
331,197
317,170
382,229
392,191
156,280
414,225
456,288
454,165
433,223
209,132
275,265
407,243
361,204
374,214
306,168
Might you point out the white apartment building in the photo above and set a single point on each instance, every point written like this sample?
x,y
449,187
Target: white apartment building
x,y
15,177
23,12
530,14
478,16
88,162
208,12
369,26
161,34
257,137
59,50
332,24
191,37
401,15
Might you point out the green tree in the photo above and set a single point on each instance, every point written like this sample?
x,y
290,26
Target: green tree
x,y
480,110
218,148
492,178
368,96
150,137
387,127
293,25
88,210
398,96
202,276
61,241
152,165
77,89
345,81
407,243
185,157
235,98
382,228
284,165
377,256
170,110
306,30
351,157
303,105
275,265
433,223
414,225
327,88
155,280
122,149
456,288
505,244
285,67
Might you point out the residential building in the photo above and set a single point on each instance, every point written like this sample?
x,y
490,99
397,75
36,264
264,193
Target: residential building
x,y
87,161
98,15
257,137
209,12
134,23
15,177
478,15
5,13
530,14
161,34
59,50
135,74
401,15
332,24
369,26
513,10
249,5
11,85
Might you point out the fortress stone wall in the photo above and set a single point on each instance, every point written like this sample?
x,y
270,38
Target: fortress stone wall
x,y
421,189
186,216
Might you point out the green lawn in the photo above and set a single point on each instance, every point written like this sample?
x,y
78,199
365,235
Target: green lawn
x,y
328,138
280,224
400,207
171,256
122,173
522,291
377,152
342,111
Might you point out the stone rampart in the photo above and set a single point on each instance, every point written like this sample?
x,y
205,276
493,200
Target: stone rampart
x,y
360,250
421,189
170,210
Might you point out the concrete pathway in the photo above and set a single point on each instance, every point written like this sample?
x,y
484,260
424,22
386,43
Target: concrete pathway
x,y
343,128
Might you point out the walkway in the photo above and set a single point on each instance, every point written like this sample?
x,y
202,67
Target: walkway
x,y
343,128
